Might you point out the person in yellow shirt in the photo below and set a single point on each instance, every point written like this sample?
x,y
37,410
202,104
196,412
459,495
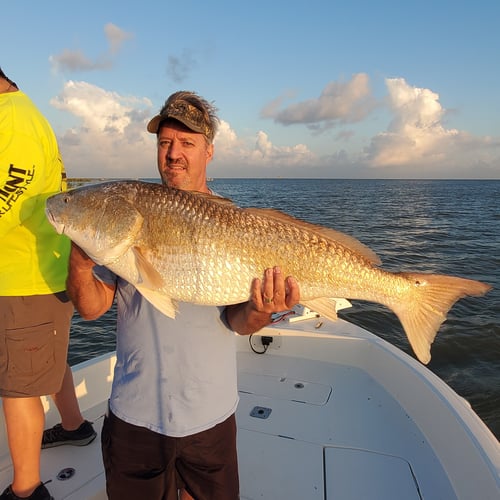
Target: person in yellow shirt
x,y
35,312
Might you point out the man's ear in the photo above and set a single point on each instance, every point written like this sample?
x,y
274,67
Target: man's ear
x,y
210,152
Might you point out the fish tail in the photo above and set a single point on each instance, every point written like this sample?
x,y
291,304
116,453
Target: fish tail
x,y
424,308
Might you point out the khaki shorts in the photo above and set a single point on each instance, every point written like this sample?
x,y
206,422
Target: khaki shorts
x,y
34,337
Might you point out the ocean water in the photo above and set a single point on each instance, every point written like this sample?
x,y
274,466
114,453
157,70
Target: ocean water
x,y
438,226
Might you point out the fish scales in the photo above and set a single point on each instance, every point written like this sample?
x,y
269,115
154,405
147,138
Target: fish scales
x,y
181,246
225,237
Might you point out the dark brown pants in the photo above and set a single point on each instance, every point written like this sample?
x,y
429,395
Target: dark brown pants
x,y
140,463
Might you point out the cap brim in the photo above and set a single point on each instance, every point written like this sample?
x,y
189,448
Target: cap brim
x,y
153,124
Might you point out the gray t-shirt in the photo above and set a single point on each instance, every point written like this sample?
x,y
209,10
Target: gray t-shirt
x,y
176,376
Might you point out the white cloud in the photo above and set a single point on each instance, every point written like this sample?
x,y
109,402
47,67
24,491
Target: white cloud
x,y
416,137
228,146
340,102
111,139
257,150
266,152
416,142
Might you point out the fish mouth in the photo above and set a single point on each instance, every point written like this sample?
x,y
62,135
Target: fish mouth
x,y
59,227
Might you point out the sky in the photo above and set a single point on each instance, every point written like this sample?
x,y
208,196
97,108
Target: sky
x,y
310,89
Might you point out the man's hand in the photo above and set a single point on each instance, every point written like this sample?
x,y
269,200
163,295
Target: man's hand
x,y
273,294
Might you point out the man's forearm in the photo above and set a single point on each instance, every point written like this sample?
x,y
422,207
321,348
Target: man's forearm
x,y
245,320
91,297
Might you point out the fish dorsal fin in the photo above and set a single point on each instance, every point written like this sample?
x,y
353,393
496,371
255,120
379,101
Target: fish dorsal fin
x,y
213,197
325,232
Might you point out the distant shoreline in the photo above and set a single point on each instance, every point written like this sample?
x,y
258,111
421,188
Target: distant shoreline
x,y
81,180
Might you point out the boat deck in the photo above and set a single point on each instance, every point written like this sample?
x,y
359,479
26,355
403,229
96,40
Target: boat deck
x,y
346,416
313,438
321,429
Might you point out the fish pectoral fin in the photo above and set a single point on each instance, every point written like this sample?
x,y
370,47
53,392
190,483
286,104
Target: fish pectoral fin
x,y
149,277
150,283
162,302
323,306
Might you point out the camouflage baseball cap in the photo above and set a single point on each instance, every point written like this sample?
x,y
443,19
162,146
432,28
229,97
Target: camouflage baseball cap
x,y
181,107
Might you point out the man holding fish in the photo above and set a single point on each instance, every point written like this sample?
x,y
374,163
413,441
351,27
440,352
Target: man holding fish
x,y
171,423
175,247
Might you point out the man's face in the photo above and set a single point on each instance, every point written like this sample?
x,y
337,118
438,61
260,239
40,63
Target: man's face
x,y
183,157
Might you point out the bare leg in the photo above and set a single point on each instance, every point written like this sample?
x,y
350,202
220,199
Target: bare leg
x,y
67,403
24,418
184,495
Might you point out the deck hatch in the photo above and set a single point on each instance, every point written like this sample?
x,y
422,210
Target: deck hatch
x,y
284,388
344,464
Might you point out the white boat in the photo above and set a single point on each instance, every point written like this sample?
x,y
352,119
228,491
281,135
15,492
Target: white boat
x,y
328,411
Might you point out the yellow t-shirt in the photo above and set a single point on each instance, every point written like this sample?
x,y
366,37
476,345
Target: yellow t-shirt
x,y
33,257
